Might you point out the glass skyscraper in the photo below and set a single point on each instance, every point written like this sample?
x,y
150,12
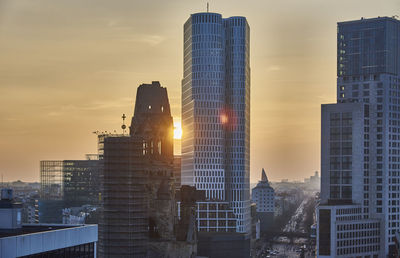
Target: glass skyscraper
x,y
359,213
216,113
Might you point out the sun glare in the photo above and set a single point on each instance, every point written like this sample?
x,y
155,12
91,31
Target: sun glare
x,y
177,130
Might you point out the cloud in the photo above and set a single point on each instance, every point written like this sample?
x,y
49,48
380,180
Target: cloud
x,y
63,110
274,68
152,40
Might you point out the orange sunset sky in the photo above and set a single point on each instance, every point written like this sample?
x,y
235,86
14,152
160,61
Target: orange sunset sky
x,y
69,67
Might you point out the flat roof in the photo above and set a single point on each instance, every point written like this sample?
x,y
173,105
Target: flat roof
x,y
39,238
34,228
363,19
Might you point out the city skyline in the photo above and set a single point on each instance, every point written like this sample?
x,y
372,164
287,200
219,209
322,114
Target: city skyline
x,y
55,75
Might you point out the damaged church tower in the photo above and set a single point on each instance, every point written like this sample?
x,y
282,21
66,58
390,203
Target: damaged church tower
x,y
139,206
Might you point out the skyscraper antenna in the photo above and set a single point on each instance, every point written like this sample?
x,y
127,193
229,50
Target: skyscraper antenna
x,y
207,6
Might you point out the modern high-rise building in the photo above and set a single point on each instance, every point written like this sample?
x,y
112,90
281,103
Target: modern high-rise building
x,y
216,113
359,212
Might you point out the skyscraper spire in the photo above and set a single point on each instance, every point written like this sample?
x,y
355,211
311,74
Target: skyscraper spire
x,y
264,176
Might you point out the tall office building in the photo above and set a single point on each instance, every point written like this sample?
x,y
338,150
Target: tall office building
x,y
359,213
216,114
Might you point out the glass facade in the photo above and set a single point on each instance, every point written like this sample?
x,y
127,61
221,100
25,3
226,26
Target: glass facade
x,y
341,156
67,183
51,180
216,110
369,72
369,46
363,156
81,182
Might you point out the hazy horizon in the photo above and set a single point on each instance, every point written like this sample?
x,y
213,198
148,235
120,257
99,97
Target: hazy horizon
x,y
69,68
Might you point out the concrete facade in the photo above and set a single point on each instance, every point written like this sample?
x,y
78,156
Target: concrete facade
x,y
360,141
50,240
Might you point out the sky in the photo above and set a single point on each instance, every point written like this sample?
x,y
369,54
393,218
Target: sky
x,y
71,67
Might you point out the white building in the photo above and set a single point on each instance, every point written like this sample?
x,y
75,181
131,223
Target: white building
x,y
216,111
359,212
264,197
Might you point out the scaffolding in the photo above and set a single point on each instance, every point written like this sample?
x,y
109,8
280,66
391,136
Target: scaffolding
x,y
51,180
123,227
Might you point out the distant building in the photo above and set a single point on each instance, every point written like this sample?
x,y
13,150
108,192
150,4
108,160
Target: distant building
x,y
41,240
81,182
264,197
313,182
51,180
80,215
30,210
67,183
51,201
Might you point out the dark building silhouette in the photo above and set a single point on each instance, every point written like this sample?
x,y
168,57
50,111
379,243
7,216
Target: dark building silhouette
x,y
139,207
177,170
81,182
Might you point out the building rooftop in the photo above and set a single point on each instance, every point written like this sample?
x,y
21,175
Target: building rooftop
x,y
34,228
363,19
47,239
264,183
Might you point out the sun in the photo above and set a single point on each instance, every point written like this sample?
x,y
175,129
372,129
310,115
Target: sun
x,y
177,130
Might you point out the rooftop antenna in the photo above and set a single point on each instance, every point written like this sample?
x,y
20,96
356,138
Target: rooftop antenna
x,y
208,6
123,126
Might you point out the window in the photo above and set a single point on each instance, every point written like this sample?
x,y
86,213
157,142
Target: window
x,y
159,147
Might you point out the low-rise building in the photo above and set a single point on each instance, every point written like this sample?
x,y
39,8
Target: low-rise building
x,y
41,240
